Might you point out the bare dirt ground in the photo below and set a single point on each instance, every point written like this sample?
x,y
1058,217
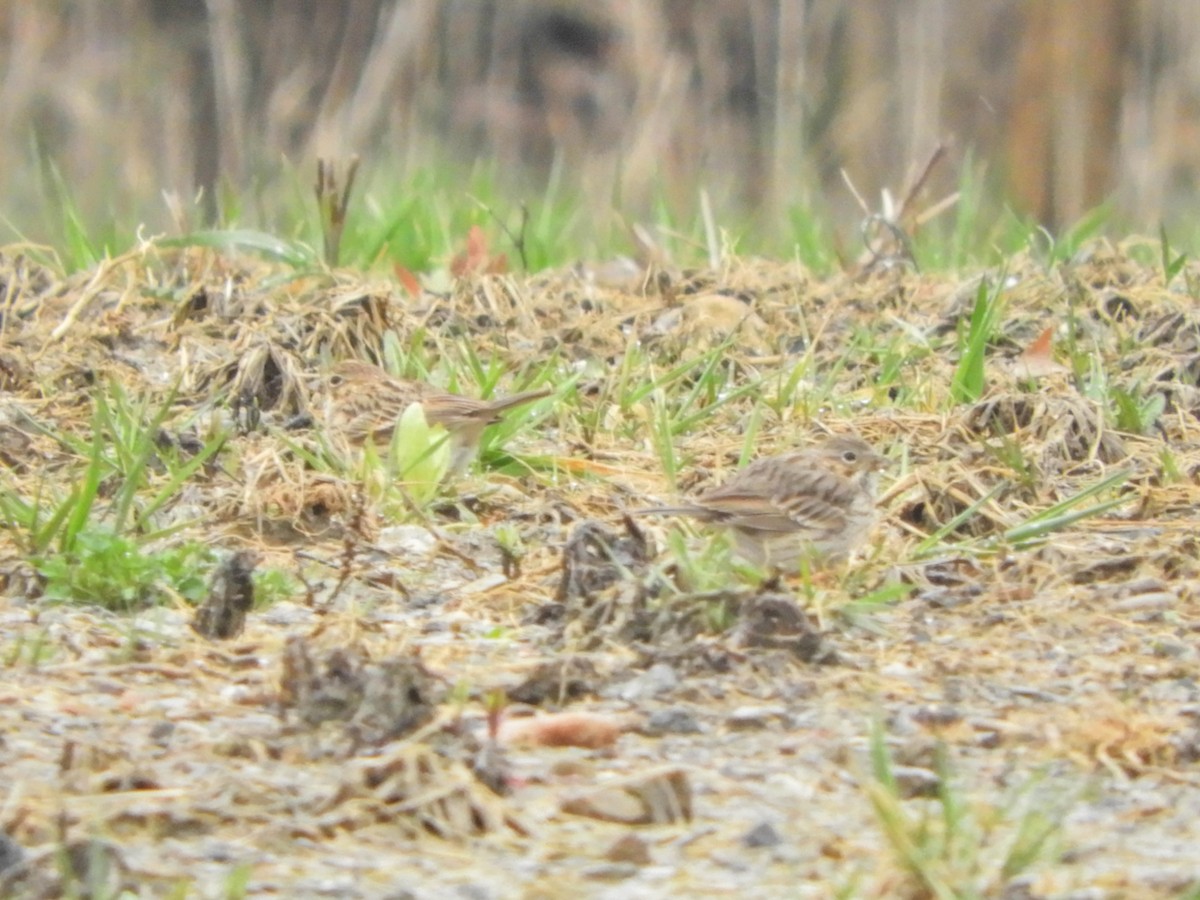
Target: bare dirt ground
x,y
339,745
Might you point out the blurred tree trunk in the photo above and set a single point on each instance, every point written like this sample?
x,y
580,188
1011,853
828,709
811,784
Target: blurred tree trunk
x,y
763,103
1062,140
187,21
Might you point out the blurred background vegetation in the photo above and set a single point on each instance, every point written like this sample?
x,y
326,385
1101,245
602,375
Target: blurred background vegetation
x,y
1049,108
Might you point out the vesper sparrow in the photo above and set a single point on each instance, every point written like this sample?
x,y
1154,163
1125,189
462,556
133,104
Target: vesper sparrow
x,y
364,403
807,505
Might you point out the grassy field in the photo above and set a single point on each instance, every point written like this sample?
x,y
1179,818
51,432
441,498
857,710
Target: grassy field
x,y
997,698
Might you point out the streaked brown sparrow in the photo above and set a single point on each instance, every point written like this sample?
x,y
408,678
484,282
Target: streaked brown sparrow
x,y
808,505
364,403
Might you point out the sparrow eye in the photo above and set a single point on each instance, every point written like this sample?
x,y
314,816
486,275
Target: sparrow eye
x,y
849,456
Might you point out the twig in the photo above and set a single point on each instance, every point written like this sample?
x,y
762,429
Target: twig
x,y
874,247
915,188
710,231
518,239
332,205
443,544
349,545
89,293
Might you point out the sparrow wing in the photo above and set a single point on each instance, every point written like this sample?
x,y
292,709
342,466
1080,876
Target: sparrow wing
x,y
453,411
789,493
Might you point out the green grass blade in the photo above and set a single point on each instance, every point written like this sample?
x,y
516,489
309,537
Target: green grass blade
x,y
292,253
80,252
1060,515
138,455
178,477
83,498
969,379
936,538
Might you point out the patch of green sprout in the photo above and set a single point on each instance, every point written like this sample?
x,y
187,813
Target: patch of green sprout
x,y
273,585
951,847
105,569
1135,412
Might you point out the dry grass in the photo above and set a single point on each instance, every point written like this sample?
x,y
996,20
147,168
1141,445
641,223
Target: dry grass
x,y
1069,653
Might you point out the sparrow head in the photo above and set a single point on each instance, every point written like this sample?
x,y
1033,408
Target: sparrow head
x,y
851,457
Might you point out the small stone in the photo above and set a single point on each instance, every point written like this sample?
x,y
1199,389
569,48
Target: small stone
x,y
160,733
629,848
407,540
675,720
761,835
732,859
608,805
568,768
989,740
287,613
658,679
656,798
914,781
484,584
1151,601
935,716
610,872
1019,889
10,852
1171,649
473,892
555,681
898,670
161,624
747,718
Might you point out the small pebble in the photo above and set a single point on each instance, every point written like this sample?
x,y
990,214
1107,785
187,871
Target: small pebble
x,y
934,716
1171,649
675,720
658,679
484,584
746,718
10,852
287,613
761,835
629,848
616,871
914,781
410,540
1153,601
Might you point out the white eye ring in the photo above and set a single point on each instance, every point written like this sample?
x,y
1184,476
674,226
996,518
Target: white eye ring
x,y
849,456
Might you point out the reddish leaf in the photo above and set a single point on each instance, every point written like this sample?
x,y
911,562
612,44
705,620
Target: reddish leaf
x,y
476,259
407,280
569,729
1037,360
1043,346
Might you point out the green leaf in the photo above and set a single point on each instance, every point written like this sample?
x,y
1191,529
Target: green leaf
x,y
419,454
85,495
1171,265
969,380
